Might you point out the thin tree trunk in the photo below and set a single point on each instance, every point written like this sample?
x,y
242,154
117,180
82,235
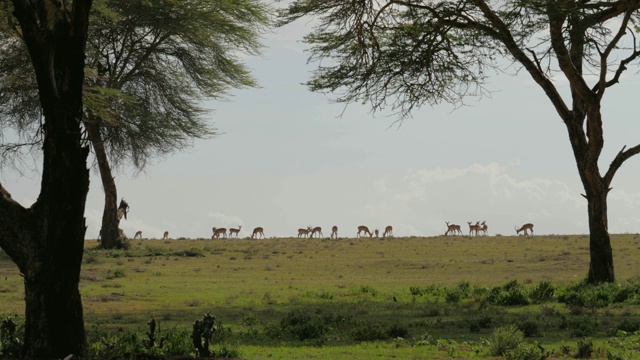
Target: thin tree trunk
x,y
109,231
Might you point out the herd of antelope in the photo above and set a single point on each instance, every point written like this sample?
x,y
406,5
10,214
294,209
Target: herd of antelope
x,y
309,232
481,228
477,229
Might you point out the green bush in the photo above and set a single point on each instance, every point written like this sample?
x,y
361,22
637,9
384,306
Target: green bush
x,y
529,328
528,352
366,331
585,349
302,326
504,340
511,294
11,339
543,292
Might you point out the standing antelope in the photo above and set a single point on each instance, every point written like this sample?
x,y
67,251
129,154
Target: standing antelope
x,y
388,231
452,228
235,231
257,232
217,232
525,227
474,228
365,230
138,235
316,230
334,231
484,227
166,235
376,232
304,232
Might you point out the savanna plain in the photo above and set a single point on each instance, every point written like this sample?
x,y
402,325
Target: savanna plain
x,y
514,297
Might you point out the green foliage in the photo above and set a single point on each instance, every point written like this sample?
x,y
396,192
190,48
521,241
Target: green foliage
x,y
528,352
302,326
116,274
530,328
512,293
504,340
202,334
585,349
11,339
542,292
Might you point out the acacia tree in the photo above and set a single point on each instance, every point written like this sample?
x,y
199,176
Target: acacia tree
x,y
149,67
408,53
46,240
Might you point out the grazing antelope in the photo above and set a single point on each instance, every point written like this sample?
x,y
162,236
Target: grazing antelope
x,y
316,230
257,232
138,235
217,232
452,228
388,231
166,235
365,230
474,228
334,231
525,227
304,232
235,231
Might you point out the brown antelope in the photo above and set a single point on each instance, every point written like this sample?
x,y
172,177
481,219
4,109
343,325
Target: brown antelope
x,y
217,232
316,230
304,232
365,230
388,231
452,228
525,227
235,231
257,232
138,235
484,227
334,231
376,232
166,235
474,228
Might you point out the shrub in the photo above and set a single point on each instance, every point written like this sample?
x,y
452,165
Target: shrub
x,y
505,339
367,331
529,328
453,296
543,292
302,326
585,349
11,339
511,294
629,326
397,331
528,352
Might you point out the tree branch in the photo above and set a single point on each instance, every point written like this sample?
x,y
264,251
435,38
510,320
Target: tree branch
x,y
620,158
12,216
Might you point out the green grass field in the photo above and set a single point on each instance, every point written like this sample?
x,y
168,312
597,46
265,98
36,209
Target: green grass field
x,y
358,293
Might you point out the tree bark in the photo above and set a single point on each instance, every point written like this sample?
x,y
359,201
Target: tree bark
x,y
46,241
601,254
109,231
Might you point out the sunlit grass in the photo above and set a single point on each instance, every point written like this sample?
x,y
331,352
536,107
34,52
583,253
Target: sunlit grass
x,y
249,284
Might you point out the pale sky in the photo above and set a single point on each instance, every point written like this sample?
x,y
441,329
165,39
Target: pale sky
x,y
288,158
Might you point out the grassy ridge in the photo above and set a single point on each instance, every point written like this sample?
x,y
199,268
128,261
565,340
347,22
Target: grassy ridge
x,y
372,283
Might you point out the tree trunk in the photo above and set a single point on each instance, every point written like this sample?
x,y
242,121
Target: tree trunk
x,y
601,265
47,240
109,231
